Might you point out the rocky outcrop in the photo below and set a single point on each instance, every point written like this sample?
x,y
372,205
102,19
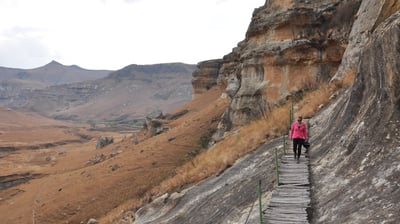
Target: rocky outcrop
x,y
370,14
205,76
103,141
153,127
290,46
356,143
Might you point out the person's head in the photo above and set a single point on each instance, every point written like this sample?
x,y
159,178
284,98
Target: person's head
x,y
300,118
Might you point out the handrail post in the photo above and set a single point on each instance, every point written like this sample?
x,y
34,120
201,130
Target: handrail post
x,y
259,201
284,144
277,167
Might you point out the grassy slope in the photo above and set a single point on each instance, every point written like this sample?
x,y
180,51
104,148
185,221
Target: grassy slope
x,y
74,191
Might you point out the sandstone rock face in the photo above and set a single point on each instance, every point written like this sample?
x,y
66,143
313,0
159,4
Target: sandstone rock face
x,y
370,14
205,76
290,46
356,154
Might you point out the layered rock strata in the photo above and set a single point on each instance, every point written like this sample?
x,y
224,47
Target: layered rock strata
x,y
290,46
205,76
356,154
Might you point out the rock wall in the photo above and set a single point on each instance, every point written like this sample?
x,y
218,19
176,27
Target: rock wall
x,y
355,165
370,14
290,46
205,76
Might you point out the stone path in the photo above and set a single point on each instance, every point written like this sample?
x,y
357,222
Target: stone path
x,y
291,200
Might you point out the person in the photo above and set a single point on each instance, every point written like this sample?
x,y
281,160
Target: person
x,y
298,133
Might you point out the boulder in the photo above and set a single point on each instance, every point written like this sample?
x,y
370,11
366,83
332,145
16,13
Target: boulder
x,y
176,115
92,221
153,127
104,141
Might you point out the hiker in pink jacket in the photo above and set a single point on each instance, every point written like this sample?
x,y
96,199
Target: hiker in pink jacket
x,y
298,133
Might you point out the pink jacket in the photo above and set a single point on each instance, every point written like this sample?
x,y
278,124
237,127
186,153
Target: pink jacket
x,y
298,131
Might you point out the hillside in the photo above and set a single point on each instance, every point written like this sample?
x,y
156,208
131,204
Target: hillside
x,y
77,189
124,97
16,84
52,73
23,132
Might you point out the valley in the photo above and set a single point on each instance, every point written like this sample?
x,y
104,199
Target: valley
x,y
74,181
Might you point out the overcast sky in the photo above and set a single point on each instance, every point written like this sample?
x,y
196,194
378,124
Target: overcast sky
x,y
111,34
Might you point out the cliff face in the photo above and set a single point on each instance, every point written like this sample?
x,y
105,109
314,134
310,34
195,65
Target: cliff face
x,y
205,76
290,46
356,157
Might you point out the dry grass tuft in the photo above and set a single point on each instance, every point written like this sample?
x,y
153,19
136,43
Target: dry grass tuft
x,y
314,100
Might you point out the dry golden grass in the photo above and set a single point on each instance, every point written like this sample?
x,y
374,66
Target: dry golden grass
x,y
312,101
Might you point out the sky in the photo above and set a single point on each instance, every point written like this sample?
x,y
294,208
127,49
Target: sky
x,y
111,34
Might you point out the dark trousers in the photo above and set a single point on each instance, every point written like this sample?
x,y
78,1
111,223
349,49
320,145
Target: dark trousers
x,y
297,144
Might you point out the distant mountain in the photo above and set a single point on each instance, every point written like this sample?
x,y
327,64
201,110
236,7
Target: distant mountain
x,y
16,84
124,96
52,73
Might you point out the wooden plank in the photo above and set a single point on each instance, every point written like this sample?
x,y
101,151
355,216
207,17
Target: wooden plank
x,y
291,193
286,210
294,177
272,221
291,201
288,219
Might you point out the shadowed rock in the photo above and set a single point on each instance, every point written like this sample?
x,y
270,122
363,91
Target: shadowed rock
x,y
104,141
